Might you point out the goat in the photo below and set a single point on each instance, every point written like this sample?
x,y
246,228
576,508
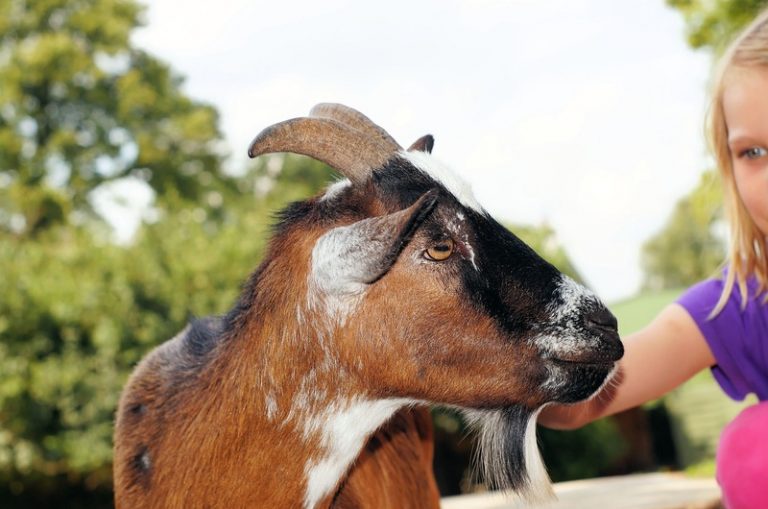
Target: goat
x,y
392,290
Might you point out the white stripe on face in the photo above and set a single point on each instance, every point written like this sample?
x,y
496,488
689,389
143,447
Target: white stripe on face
x,y
441,173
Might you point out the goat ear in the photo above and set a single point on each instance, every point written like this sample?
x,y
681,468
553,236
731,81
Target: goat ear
x,y
423,144
349,257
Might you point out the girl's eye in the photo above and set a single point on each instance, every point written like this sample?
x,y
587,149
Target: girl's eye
x,y
440,251
753,153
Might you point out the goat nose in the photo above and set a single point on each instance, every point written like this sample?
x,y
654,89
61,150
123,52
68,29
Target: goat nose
x,y
601,320
603,325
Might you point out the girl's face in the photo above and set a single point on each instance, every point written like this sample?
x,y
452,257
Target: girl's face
x,y
745,107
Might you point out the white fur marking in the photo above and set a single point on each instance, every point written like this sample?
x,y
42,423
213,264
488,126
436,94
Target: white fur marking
x,y
332,276
271,406
335,189
471,252
574,296
441,173
563,336
540,487
332,282
458,230
344,430
492,452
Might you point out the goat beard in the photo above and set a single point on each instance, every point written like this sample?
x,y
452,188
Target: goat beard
x,y
507,455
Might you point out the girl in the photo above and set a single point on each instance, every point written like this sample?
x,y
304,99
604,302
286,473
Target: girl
x,y
720,324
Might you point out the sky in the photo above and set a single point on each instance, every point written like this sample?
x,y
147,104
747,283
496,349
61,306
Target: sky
x,y
586,115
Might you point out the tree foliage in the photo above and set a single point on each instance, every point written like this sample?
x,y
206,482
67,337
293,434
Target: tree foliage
x,y
77,313
543,239
690,246
711,24
81,106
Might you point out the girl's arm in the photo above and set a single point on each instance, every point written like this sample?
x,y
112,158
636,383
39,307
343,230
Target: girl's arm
x,y
663,355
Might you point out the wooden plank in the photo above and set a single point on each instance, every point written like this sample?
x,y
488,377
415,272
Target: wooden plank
x,y
637,491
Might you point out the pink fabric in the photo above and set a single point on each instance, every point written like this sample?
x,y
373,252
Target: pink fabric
x,y
742,459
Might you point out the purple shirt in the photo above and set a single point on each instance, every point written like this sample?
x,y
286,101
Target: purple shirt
x,y
738,338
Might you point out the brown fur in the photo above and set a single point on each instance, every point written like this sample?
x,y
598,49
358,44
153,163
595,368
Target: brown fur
x,y
201,438
201,434
205,423
242,417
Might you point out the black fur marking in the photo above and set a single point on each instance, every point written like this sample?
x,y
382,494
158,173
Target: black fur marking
x,y
515,422
294,213
235,317
319,212
399,184
141,461
417,218
500,456
203,335
514,285
138,409
586,380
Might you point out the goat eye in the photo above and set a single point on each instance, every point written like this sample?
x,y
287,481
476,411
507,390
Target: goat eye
x,y
440,251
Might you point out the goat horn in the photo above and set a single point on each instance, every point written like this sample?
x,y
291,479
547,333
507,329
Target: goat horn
x,y
336,144
355,120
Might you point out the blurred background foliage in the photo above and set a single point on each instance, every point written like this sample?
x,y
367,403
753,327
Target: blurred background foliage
x,y
82,110
711,24
691,245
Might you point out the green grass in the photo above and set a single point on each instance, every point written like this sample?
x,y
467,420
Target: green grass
x,y
637,312
704,468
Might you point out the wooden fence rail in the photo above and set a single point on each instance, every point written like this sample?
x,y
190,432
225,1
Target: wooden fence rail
x,y
638,491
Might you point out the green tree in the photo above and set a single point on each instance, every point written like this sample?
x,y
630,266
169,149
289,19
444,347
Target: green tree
x,y
711,24
690,246
544,241
81,106
282,178
76,314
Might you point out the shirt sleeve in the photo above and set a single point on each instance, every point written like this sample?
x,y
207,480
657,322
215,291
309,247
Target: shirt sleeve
x,y
726,334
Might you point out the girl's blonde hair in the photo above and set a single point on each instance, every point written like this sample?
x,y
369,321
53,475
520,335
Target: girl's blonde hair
x,y
747,246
